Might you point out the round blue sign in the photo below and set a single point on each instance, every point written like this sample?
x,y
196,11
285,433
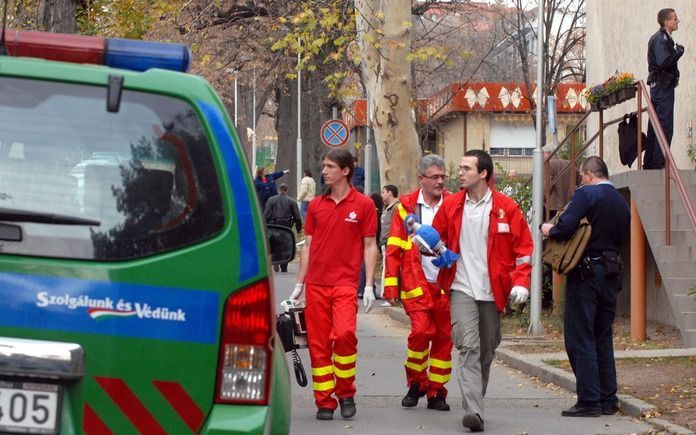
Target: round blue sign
x,y
334,133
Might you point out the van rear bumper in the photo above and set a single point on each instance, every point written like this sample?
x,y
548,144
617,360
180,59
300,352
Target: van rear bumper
x,y
41,359
239,419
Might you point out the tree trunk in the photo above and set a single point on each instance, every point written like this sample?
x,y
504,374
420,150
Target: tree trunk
x,y
58,16
316,109
386,72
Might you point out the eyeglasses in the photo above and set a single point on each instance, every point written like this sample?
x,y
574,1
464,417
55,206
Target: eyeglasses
x,y
435,177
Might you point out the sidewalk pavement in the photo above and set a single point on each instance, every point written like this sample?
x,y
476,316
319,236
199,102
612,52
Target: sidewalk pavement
x,y
534,365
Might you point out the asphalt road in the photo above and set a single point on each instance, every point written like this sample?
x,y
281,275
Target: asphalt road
x,y
515,403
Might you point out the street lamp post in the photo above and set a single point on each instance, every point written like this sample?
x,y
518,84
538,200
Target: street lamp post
x,y
535,326
236,93
253,137
234,71
298,175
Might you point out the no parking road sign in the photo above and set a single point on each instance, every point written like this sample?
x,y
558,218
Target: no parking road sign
x,y
334,133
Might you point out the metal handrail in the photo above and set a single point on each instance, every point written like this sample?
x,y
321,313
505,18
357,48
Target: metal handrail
x,y
671,169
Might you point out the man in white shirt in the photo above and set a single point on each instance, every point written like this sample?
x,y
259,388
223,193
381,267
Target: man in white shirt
x,y
306,192
488,229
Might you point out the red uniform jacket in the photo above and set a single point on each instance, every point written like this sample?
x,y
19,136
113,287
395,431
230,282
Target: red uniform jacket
x,y
510,244
403,261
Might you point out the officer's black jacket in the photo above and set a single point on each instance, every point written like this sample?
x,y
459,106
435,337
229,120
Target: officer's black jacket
x,y
607,212
662,59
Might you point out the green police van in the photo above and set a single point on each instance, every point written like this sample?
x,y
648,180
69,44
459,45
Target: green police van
x,y
135,294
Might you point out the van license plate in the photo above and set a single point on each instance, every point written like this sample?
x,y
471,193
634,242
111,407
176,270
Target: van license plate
x,y
27,407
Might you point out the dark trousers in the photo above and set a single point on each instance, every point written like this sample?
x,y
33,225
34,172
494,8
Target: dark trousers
x,y
662,96
590,308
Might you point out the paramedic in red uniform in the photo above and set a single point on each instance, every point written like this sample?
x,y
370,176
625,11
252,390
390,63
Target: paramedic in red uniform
x,y
429,342
340,229
488,229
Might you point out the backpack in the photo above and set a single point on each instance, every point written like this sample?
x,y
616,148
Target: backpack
x,y
564,255
628,138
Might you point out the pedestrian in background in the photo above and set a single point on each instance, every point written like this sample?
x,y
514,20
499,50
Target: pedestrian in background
x,y
358,179
282,210
340,233
490,232
560,192
592,287
306,192
377,200
390,199
663,77
265,184
429,347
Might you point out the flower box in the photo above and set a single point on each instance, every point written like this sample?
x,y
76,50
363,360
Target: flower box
x,y
625,94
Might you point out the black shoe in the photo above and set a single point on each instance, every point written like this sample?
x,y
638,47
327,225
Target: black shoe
x,y
411,398
276,268
324,414
347,407
610,410
579,411
474,422
438,403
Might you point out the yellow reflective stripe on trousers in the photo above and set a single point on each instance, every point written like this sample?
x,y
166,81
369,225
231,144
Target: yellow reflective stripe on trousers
x,y
321,371
438,378
417,355
344,373
440,364
414,366
323,386
392,281
345,359
412,293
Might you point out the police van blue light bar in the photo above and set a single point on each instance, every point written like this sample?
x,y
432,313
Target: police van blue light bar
x,y
129,54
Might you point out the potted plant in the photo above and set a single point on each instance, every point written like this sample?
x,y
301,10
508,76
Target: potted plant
x,y
627,87
594,96
616,89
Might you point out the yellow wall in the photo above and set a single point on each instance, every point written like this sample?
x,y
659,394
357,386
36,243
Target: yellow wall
x,y
450,137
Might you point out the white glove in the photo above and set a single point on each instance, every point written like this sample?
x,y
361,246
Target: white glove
x,y
295,295
286,171
519,294
368,297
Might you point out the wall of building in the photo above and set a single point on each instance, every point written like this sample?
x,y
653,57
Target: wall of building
x,y
478,135
617,39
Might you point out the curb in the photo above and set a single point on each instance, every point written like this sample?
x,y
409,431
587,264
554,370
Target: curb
x,y
534,365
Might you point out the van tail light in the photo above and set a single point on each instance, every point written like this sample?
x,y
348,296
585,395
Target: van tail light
x,y
246,353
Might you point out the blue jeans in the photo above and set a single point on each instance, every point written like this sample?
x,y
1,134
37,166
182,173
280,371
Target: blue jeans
x,y
303,209
590,308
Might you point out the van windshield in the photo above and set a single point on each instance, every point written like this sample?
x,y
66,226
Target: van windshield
x,y
145,174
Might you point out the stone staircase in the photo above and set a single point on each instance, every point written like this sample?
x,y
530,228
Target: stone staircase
x,y
677,262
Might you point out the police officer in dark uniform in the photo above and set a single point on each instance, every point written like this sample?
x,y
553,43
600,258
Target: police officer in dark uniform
x,y
663,76
592,287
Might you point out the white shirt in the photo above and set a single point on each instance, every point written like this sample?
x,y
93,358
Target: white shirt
x,y
427,214
472,266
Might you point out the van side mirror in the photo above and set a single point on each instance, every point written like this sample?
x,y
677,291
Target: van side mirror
x,y
281,241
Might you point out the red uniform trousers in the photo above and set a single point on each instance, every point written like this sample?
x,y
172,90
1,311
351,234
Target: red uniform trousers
x,y
430,343
331,316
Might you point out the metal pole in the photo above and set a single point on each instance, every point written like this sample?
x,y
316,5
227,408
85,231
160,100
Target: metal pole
x,y
236,93
298,176
368,150
535,326
253,138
